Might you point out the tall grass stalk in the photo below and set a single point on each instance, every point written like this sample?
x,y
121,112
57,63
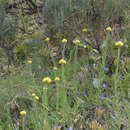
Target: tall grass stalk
x,y
117,75
76,53
23,123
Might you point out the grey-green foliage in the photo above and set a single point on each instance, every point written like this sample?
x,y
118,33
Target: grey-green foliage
x,y
107,11
7,32
7,27
57,10
113,9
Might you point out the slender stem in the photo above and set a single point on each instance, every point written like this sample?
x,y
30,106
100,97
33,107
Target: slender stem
x,y
118,60
63,77
45,100
57,102
117,70
23,121
76,52
62,90
63,52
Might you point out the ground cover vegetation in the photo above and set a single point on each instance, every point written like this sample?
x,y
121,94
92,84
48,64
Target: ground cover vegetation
x,y
64,65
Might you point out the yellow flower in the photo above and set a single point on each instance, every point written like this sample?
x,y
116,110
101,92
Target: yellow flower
x,y
84,30
77,41
64,40
23,113
57,79
109,29
62,61
55,68
47,39
85,46
119,44
33,94
36,97
46,80
45,88
29,62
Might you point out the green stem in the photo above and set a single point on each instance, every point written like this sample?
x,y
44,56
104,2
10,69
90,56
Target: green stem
x,y
23,121
117,70
57,102
45,100
63,52
118,60
105,52
63,89
76,52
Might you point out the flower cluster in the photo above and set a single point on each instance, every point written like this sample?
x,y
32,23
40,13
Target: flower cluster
x,y
109,29
45,88
47,39
64,41
84,30
119,44
46,80
23,113
29,61
77,41
35,96
62,61
57,79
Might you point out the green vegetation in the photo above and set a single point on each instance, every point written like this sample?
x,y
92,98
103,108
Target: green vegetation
x,y
64,65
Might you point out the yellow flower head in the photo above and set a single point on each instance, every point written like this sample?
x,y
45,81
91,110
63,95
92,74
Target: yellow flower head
x,y
46,80
55,68
84,30
47,39
64,40
36,97
119,44
29,62
109,29
57,79
33,94
77,41
85,46
45,88
62,61
23,113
